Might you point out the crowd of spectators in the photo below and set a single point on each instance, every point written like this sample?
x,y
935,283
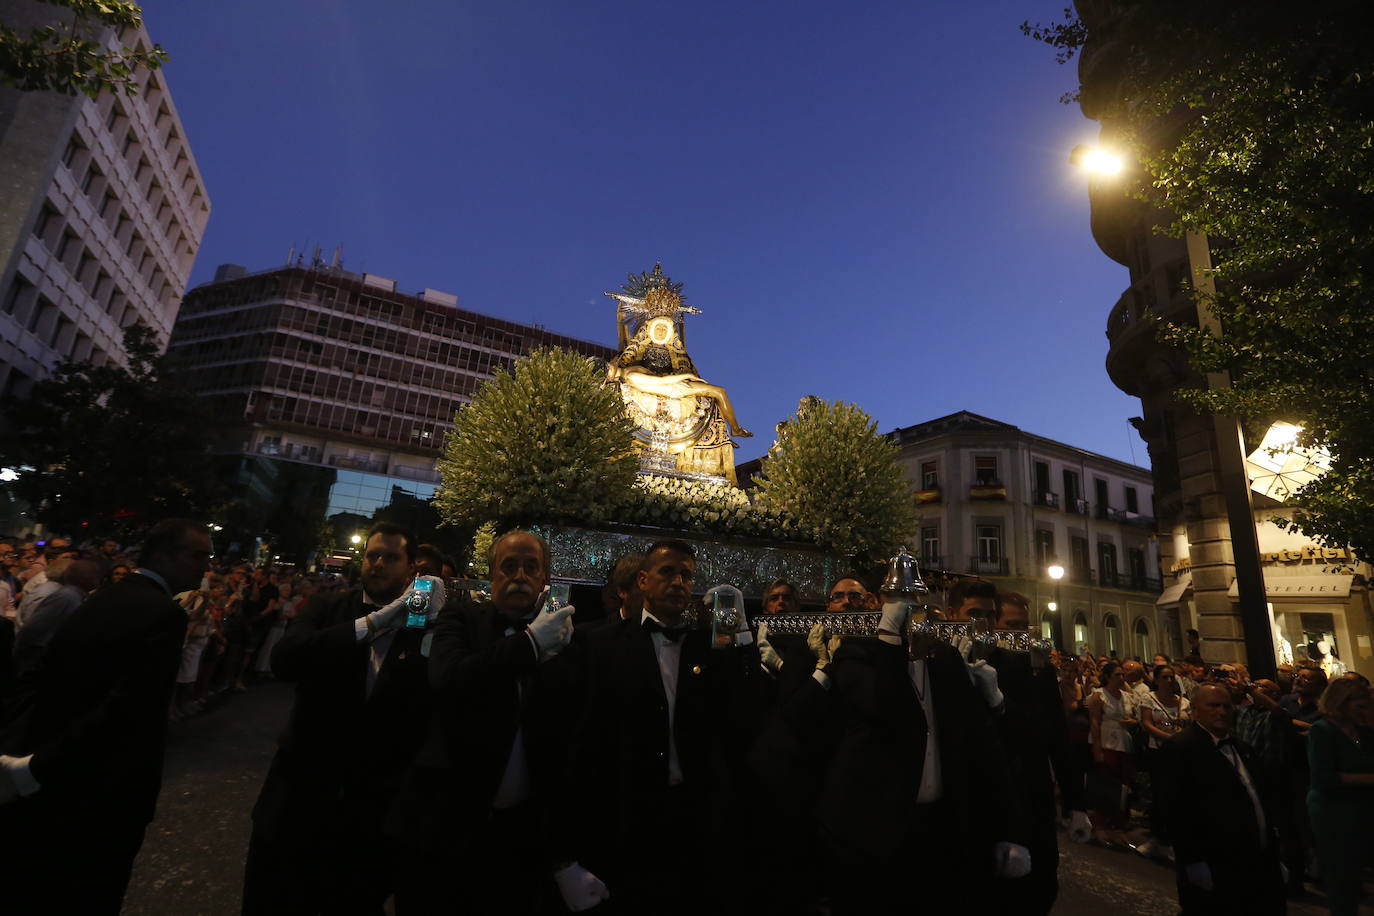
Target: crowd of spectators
x,y
233,620
1122,712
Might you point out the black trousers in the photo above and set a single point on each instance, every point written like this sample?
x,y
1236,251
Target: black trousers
x,y
65,857
930,870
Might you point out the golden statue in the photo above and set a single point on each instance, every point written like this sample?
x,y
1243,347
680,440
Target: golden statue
x,y
683,422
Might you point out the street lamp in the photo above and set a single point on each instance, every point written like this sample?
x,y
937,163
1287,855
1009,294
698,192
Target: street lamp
x,y
1055,571
356,539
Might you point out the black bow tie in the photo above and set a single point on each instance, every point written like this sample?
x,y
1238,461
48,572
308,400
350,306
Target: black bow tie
x,y
672,634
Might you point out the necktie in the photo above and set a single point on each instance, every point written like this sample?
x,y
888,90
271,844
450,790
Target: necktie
x,y
672,634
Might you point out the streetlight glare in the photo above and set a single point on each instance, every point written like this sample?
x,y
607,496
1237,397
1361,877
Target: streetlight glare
x,y
1052,606
1096,160
1056,571
356,539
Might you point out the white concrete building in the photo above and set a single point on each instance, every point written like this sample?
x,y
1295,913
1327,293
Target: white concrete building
x,y
1006,505
102,210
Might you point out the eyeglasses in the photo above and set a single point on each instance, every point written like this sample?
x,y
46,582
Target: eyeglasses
x,y
837,597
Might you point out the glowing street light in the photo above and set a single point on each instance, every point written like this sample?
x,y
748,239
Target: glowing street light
x,y
1052,606
1055,571
1096,160
356,539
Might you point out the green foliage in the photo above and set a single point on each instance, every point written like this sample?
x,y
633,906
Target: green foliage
x,y
840,480
117,448
1253,125
548,443
71,56
478,566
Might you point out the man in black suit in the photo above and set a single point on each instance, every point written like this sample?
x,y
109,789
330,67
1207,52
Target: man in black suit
x,y
786,657
1219,816
362,709
85,750
667,717
477,807
913,800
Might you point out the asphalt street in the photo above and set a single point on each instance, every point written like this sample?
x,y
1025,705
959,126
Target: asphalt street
x,y
192,859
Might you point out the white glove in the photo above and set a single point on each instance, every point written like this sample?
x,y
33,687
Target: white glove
x,y
1080,828
895,616
1013,861
1199,875
768,656
394,614
551,631
821,647
580,889
984,677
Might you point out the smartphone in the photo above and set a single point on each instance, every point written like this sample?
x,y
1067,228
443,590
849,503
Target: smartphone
x,y
560,595
417,606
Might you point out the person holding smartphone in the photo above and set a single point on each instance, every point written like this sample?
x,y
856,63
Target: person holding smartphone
x,y
362,710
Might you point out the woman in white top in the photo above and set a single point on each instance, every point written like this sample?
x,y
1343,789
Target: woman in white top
x,y
1112,751
1163,713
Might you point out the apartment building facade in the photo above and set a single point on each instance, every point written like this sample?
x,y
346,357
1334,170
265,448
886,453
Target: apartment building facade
x,y
1007,505
333,391
101,216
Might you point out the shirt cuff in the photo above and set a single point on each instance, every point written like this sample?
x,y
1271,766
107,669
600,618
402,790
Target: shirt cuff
x,y
892,639
360,628
821,678
744,638
20,774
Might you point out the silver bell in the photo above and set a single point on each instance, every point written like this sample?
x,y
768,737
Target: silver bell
x,y
903,578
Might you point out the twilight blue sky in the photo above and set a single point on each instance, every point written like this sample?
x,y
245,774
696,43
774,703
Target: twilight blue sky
x,y
869,202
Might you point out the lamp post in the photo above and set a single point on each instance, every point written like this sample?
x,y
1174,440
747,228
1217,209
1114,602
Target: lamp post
x,y
1233,480
1056,572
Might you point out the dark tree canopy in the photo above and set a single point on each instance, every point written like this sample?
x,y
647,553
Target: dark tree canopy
x,y
1254,124
109,449
69,55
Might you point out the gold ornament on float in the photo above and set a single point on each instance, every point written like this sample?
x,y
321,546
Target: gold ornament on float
x,y
683,423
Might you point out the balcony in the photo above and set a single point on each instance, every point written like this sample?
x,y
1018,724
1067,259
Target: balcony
x,y
931,561
428,475
1076,506
984,566
1047,499
1129,582
985,491
1080,575
371,465
929,496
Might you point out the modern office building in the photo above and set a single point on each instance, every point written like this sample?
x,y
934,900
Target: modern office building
x,y
332,391
1005,505
1313,595
101,213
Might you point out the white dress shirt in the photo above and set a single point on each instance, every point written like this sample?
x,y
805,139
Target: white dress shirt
x,y
932,784
669,655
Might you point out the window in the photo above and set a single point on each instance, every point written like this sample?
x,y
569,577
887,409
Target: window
x,y
18,292
930,547
74,148
1135,564
1044,548
1042,477
930,475
1080,563
1132,501
1080,633
1071,488
48,221
92,176
1142,639
1113,633
985,469
1100,494
989,543
65,247
1106,562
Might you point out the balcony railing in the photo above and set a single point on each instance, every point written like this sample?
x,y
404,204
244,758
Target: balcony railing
x,y
1129,582
930,561
1046,498
1076,506
371,465
988,490
1080,575
983,566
